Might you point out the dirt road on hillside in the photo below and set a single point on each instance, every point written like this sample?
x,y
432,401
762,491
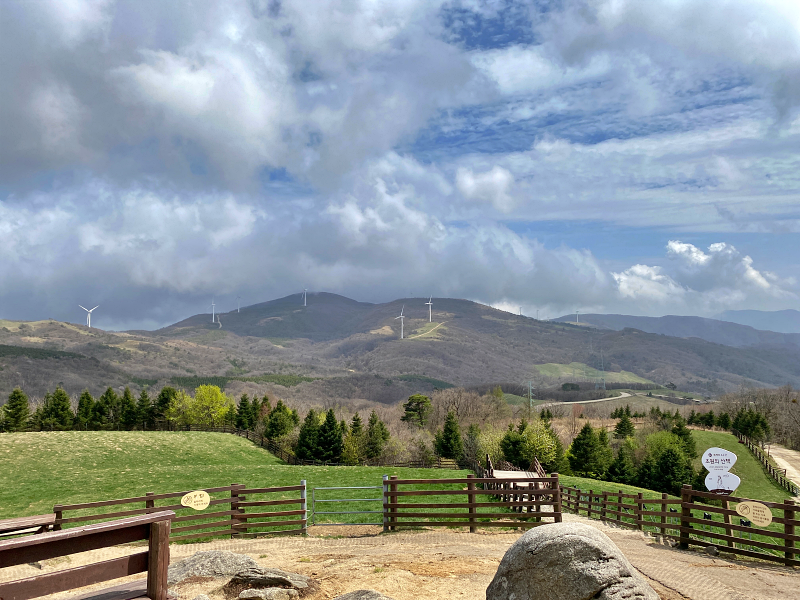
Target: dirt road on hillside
x,y
436,564
789,460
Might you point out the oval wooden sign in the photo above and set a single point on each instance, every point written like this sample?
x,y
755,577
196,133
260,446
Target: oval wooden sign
x,y
198,500
718,459
755,512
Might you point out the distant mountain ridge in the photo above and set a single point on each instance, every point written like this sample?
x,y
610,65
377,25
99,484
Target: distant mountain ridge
x,y
782,321
711,330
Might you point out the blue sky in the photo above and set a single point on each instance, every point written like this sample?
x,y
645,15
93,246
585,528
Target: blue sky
x,y
608,155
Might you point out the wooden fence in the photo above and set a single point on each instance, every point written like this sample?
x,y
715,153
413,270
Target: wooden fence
x,y
525,496
779,475
236,518
692,522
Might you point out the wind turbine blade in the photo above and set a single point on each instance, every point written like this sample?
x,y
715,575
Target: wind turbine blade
x,y
86,309
98,306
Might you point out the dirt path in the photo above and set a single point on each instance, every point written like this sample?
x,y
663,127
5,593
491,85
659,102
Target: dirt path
x,y
789,460
427,332
436,564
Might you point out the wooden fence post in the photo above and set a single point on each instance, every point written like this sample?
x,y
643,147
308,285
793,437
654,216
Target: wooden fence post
x,y
304,506
589,505
726,518
158,560
393,500
554,485
603,506
686,512
238,515
150,503
663,527
638,511
59,515
788,529
471,500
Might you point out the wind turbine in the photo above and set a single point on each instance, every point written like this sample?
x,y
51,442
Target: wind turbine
x,y
212,310
89,315
577,316
305,297
401,317
238,303
430,310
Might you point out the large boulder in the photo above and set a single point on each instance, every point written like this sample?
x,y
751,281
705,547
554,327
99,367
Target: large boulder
x,y
567,561
268,594
211,563
260,577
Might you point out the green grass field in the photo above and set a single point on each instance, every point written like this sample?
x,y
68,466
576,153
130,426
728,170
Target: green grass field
x,y
579,370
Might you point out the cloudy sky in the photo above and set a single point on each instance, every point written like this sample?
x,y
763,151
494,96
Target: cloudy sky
x,y
605,155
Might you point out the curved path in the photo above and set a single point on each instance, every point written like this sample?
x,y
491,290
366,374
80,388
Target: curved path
x,y
411,337
789,460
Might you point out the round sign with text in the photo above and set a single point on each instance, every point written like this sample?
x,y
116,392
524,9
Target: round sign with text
x,y
718,460
722,482
198,500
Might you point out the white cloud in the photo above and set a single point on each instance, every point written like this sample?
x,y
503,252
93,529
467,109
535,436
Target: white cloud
x,y
491,187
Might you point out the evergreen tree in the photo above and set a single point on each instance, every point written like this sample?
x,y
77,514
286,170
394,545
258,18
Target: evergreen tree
x,y
295,417
16,412
448,442
752,424
330,438
144,411
308,439
627,410
56,411
105,410
646,474
417,408
128,415
623,469
708,420
343,427
724,421
356,426
163,401
377,436
585,456
685,434
83,417
672,470
244,413
624,427
606,454
280,421
692,420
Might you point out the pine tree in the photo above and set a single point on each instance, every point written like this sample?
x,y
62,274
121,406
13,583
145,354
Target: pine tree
x,y
692,420
163,401
144,411
343,427
56,411
585,455
646,474
623,469
724,421
685,434
416,408
628,410
128,415
448,441
308,439
16,411
330,439
624,427
244,413
280,421
377,436
83,417
356,426
605,453
105,410
672,470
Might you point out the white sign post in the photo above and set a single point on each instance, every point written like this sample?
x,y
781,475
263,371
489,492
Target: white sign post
x,y
718,462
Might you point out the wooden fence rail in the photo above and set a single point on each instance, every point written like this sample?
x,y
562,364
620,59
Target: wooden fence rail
x,y
525,496
693,522
779,475
234,519
154,527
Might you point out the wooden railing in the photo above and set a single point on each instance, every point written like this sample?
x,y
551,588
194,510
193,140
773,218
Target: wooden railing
x,y
519,494
233,520
154,527
692,522
779,475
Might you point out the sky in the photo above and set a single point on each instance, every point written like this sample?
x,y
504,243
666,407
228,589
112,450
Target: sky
x,y
612,156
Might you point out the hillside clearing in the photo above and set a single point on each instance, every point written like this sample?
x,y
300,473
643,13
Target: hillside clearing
x,y
580,371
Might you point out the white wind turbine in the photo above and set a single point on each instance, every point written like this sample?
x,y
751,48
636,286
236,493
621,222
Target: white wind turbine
x,y
212,310
401,317
238,303
304,297
89,315
430,310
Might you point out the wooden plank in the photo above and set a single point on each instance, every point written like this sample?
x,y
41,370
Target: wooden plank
x,y
744,529
467,504
735,539
50,583
511,524
287,488
225,513
476,480
137,511
228,523
266,515
134,590
249,525
429,515
27,522
256,534
526,492
63,507
271,502
79,539
158,560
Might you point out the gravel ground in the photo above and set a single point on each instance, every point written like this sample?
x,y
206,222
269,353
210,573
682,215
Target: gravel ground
x,y
434,564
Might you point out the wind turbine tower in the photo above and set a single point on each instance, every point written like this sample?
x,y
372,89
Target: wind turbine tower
x,y
238,303
89,315
212,310
305,297
577,317
401,317
430,310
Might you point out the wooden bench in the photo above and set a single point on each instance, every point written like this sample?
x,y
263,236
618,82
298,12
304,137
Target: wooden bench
x,y
34,524
154,561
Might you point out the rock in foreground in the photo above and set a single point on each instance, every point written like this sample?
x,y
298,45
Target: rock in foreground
x,y
363,595
567,561
212,563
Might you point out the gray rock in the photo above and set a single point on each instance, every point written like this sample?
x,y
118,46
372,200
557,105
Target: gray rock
x,y
363,595
201,597
268,594
567,561
712,550
212,563
259,578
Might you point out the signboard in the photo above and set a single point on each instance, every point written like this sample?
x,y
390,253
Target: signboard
x,y
198,500
718,459
755,512
722,483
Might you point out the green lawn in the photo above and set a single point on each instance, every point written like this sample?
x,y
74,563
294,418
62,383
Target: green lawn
x,y
756,483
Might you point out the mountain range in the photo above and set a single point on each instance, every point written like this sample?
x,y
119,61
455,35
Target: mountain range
x,y
338,348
